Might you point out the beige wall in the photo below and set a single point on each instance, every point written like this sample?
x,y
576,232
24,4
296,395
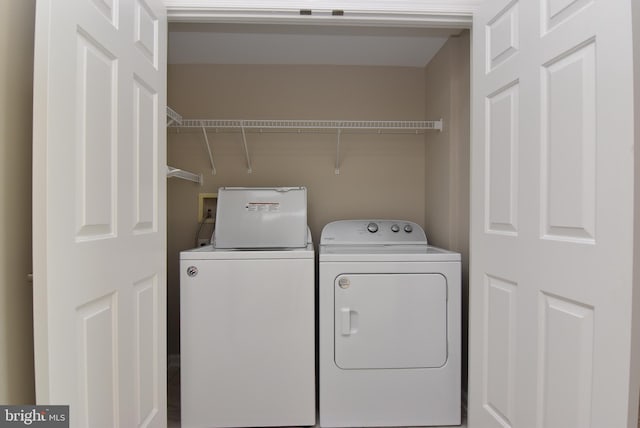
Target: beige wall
x,y
447,158
16,326
381,175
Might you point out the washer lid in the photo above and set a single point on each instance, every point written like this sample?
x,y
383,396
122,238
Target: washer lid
x,y
210,253
373,232
261,217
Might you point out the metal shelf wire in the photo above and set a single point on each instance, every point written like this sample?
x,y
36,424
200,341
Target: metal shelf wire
x,y
374,125
337,126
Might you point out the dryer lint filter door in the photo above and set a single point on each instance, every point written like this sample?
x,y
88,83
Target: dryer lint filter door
x,y
386,321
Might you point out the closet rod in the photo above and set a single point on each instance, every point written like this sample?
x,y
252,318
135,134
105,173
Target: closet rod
x,y
413,125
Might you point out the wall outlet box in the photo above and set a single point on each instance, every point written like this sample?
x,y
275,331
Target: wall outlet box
x,y
207,202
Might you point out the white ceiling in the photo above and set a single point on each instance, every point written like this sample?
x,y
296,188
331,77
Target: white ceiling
x,y
298,44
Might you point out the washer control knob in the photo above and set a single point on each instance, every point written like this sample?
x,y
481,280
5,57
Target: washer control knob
x,y
408,228
395,228
372,227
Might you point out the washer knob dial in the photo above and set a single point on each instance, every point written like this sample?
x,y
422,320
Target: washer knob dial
x,y
372,227
395,228
408,228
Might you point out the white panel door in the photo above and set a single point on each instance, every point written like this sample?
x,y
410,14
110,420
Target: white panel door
x,y
99,210
552,215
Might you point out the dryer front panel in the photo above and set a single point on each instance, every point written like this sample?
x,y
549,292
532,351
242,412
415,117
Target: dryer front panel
x,y
390,321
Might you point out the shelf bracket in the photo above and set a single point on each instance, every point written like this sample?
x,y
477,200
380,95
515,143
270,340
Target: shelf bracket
x,y
246,149
206,144
173,116
337,169
185,175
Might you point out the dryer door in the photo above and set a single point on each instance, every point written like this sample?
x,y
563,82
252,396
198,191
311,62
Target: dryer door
x,y
387,321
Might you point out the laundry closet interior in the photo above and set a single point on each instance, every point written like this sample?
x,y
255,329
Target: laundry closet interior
x,y
345,74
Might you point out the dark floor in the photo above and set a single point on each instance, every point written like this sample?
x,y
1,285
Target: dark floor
x,y
173,396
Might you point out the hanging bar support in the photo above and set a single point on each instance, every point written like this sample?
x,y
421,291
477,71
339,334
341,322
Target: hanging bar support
x,y
246,149
337,170
206,143
185,175
173,116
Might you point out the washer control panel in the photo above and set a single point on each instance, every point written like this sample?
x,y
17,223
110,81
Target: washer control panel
x,y
372,232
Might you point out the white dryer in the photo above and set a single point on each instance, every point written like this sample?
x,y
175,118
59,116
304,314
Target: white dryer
x,y
389,326
247,315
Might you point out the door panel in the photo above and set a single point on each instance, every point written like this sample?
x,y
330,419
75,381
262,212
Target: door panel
x,y
552,215
565,362
145,157
568,127
99,204
500,340
96,139
97,339
388,321
503,35
502,161
149,397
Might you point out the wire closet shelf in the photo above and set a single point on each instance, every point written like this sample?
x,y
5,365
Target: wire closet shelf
x,y
378,125
177,122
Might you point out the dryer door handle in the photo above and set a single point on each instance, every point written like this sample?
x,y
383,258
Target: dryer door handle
x,y
346,321
349,321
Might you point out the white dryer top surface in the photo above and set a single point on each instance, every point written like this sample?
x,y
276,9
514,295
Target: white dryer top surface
x,y
386,253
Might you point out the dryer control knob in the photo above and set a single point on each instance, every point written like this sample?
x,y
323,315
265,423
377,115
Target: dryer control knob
x,y
372,227
408,228
395,228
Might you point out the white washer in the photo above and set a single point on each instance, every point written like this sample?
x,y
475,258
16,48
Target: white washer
x,y
248,321
389,326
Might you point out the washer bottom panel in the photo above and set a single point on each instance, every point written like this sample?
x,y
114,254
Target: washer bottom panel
x,y
247,343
